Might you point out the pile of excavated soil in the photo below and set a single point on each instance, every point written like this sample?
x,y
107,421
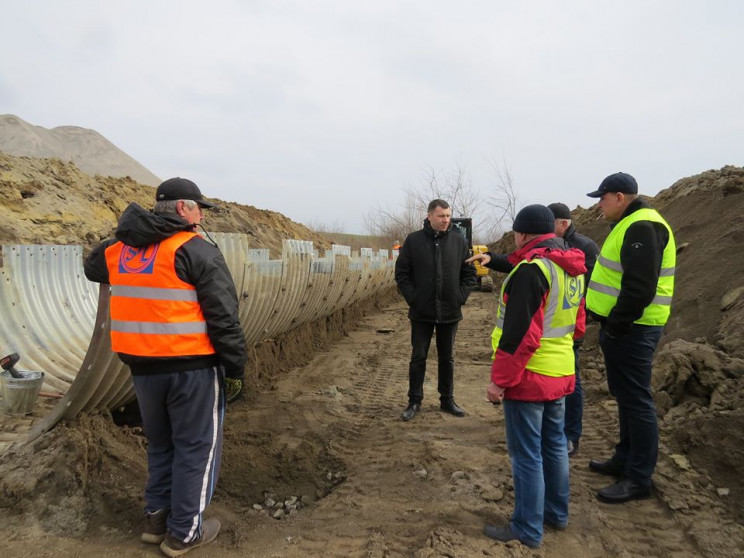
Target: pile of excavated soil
x,y
47,201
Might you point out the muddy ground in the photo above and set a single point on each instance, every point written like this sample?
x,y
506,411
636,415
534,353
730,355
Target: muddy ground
x,y
329,434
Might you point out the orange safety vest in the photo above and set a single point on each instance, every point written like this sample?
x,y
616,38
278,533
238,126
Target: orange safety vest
x,y
153,312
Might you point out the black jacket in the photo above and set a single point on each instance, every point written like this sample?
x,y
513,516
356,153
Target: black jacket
x,y
640,255
572,238
432,275
575,239
198,263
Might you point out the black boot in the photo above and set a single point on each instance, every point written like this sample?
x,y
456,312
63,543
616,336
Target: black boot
x,y
449,406
411,411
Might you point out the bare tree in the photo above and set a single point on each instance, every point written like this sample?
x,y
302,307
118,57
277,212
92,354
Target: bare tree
x,y
455,187
503,199
319,227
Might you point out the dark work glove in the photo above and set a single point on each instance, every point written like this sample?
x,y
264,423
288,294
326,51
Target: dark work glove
x,y
233,389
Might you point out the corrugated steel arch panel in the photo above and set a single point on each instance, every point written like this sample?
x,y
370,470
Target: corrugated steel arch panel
x,y
262,280
318,285
275,296
337,277
349,284
234,248
47,309
297,256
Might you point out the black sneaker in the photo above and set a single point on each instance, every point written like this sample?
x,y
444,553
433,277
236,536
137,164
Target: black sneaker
x,y
173,547
154,531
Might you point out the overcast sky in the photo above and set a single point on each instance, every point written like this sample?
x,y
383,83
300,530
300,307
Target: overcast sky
x,y
321,109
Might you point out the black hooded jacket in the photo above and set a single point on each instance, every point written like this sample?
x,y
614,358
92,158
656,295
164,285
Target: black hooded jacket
x,y
432,275
198,263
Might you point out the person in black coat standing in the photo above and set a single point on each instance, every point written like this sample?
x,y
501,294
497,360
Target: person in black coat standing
x,y
565,228
433,277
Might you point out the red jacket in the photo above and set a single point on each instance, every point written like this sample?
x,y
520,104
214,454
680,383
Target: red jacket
x,y
525,297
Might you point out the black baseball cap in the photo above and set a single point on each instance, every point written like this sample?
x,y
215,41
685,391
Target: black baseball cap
x,y
181,189
560,210
618,182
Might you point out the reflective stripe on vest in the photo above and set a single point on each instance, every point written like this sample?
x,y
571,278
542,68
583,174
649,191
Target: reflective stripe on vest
x,y
153,312
555,355
606,281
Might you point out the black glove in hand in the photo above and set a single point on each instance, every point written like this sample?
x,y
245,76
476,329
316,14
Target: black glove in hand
x,y
233,389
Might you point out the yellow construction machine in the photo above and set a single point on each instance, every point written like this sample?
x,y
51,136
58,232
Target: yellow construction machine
x,y
464,225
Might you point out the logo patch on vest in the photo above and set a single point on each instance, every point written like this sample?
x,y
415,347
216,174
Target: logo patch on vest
x,y
572,296
138,260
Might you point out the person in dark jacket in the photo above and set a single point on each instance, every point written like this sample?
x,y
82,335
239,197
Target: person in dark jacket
x,y
630,294
174,322
539,315
563,228
435,281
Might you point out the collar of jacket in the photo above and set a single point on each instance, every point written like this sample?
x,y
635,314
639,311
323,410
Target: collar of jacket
x,y
633,206
531,249
555,249
429,230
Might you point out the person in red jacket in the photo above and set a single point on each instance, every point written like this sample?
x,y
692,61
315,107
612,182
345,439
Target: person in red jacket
x,y
540,313
174,322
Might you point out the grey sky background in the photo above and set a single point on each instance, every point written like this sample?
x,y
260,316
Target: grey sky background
x,y
321,109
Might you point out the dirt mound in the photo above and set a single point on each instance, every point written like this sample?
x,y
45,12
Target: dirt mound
x,y
88,149
48,201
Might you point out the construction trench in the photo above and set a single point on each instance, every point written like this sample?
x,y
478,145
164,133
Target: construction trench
x,y
58,322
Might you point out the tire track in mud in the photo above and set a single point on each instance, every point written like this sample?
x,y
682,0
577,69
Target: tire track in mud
x,y
361,440
637,528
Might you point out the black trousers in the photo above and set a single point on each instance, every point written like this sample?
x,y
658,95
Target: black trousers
x,y
628,360
421,334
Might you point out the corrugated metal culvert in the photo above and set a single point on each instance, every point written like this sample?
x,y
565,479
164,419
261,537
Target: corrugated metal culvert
x,y
58,321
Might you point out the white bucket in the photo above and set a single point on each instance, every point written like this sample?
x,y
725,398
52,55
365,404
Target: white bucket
x,y
19,394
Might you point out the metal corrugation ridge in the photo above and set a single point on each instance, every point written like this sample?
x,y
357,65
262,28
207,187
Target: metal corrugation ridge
x,y
47,309
335,274
262,280
234,248
297,256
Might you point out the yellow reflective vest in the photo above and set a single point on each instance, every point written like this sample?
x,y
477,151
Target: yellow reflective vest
x,y
555,355
606,280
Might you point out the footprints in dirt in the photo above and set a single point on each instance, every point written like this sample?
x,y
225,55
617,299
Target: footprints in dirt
x,y
639,528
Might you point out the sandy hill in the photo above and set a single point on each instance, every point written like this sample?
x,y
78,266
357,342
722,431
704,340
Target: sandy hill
x,y
88,149
49,201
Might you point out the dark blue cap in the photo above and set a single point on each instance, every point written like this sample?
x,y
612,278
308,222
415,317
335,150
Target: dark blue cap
x,y
618,182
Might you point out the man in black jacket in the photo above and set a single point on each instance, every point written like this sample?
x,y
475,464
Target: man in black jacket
x,y
433,277
565,229
174,321
630,295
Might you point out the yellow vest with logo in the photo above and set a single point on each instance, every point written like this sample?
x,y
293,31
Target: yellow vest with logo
x,y
555,355
606,280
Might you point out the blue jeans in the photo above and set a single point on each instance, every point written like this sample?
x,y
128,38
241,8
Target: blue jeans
x,y
628,360
539,459
575,404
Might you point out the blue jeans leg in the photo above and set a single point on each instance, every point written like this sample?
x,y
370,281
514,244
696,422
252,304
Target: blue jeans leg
x,y
537,448
628,360
575,404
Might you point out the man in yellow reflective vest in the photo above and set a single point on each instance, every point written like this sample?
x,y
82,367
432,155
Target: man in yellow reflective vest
x,y
540,313
174,322
630,294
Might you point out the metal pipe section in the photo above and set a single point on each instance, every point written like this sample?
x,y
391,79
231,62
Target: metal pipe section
x,y
58,321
